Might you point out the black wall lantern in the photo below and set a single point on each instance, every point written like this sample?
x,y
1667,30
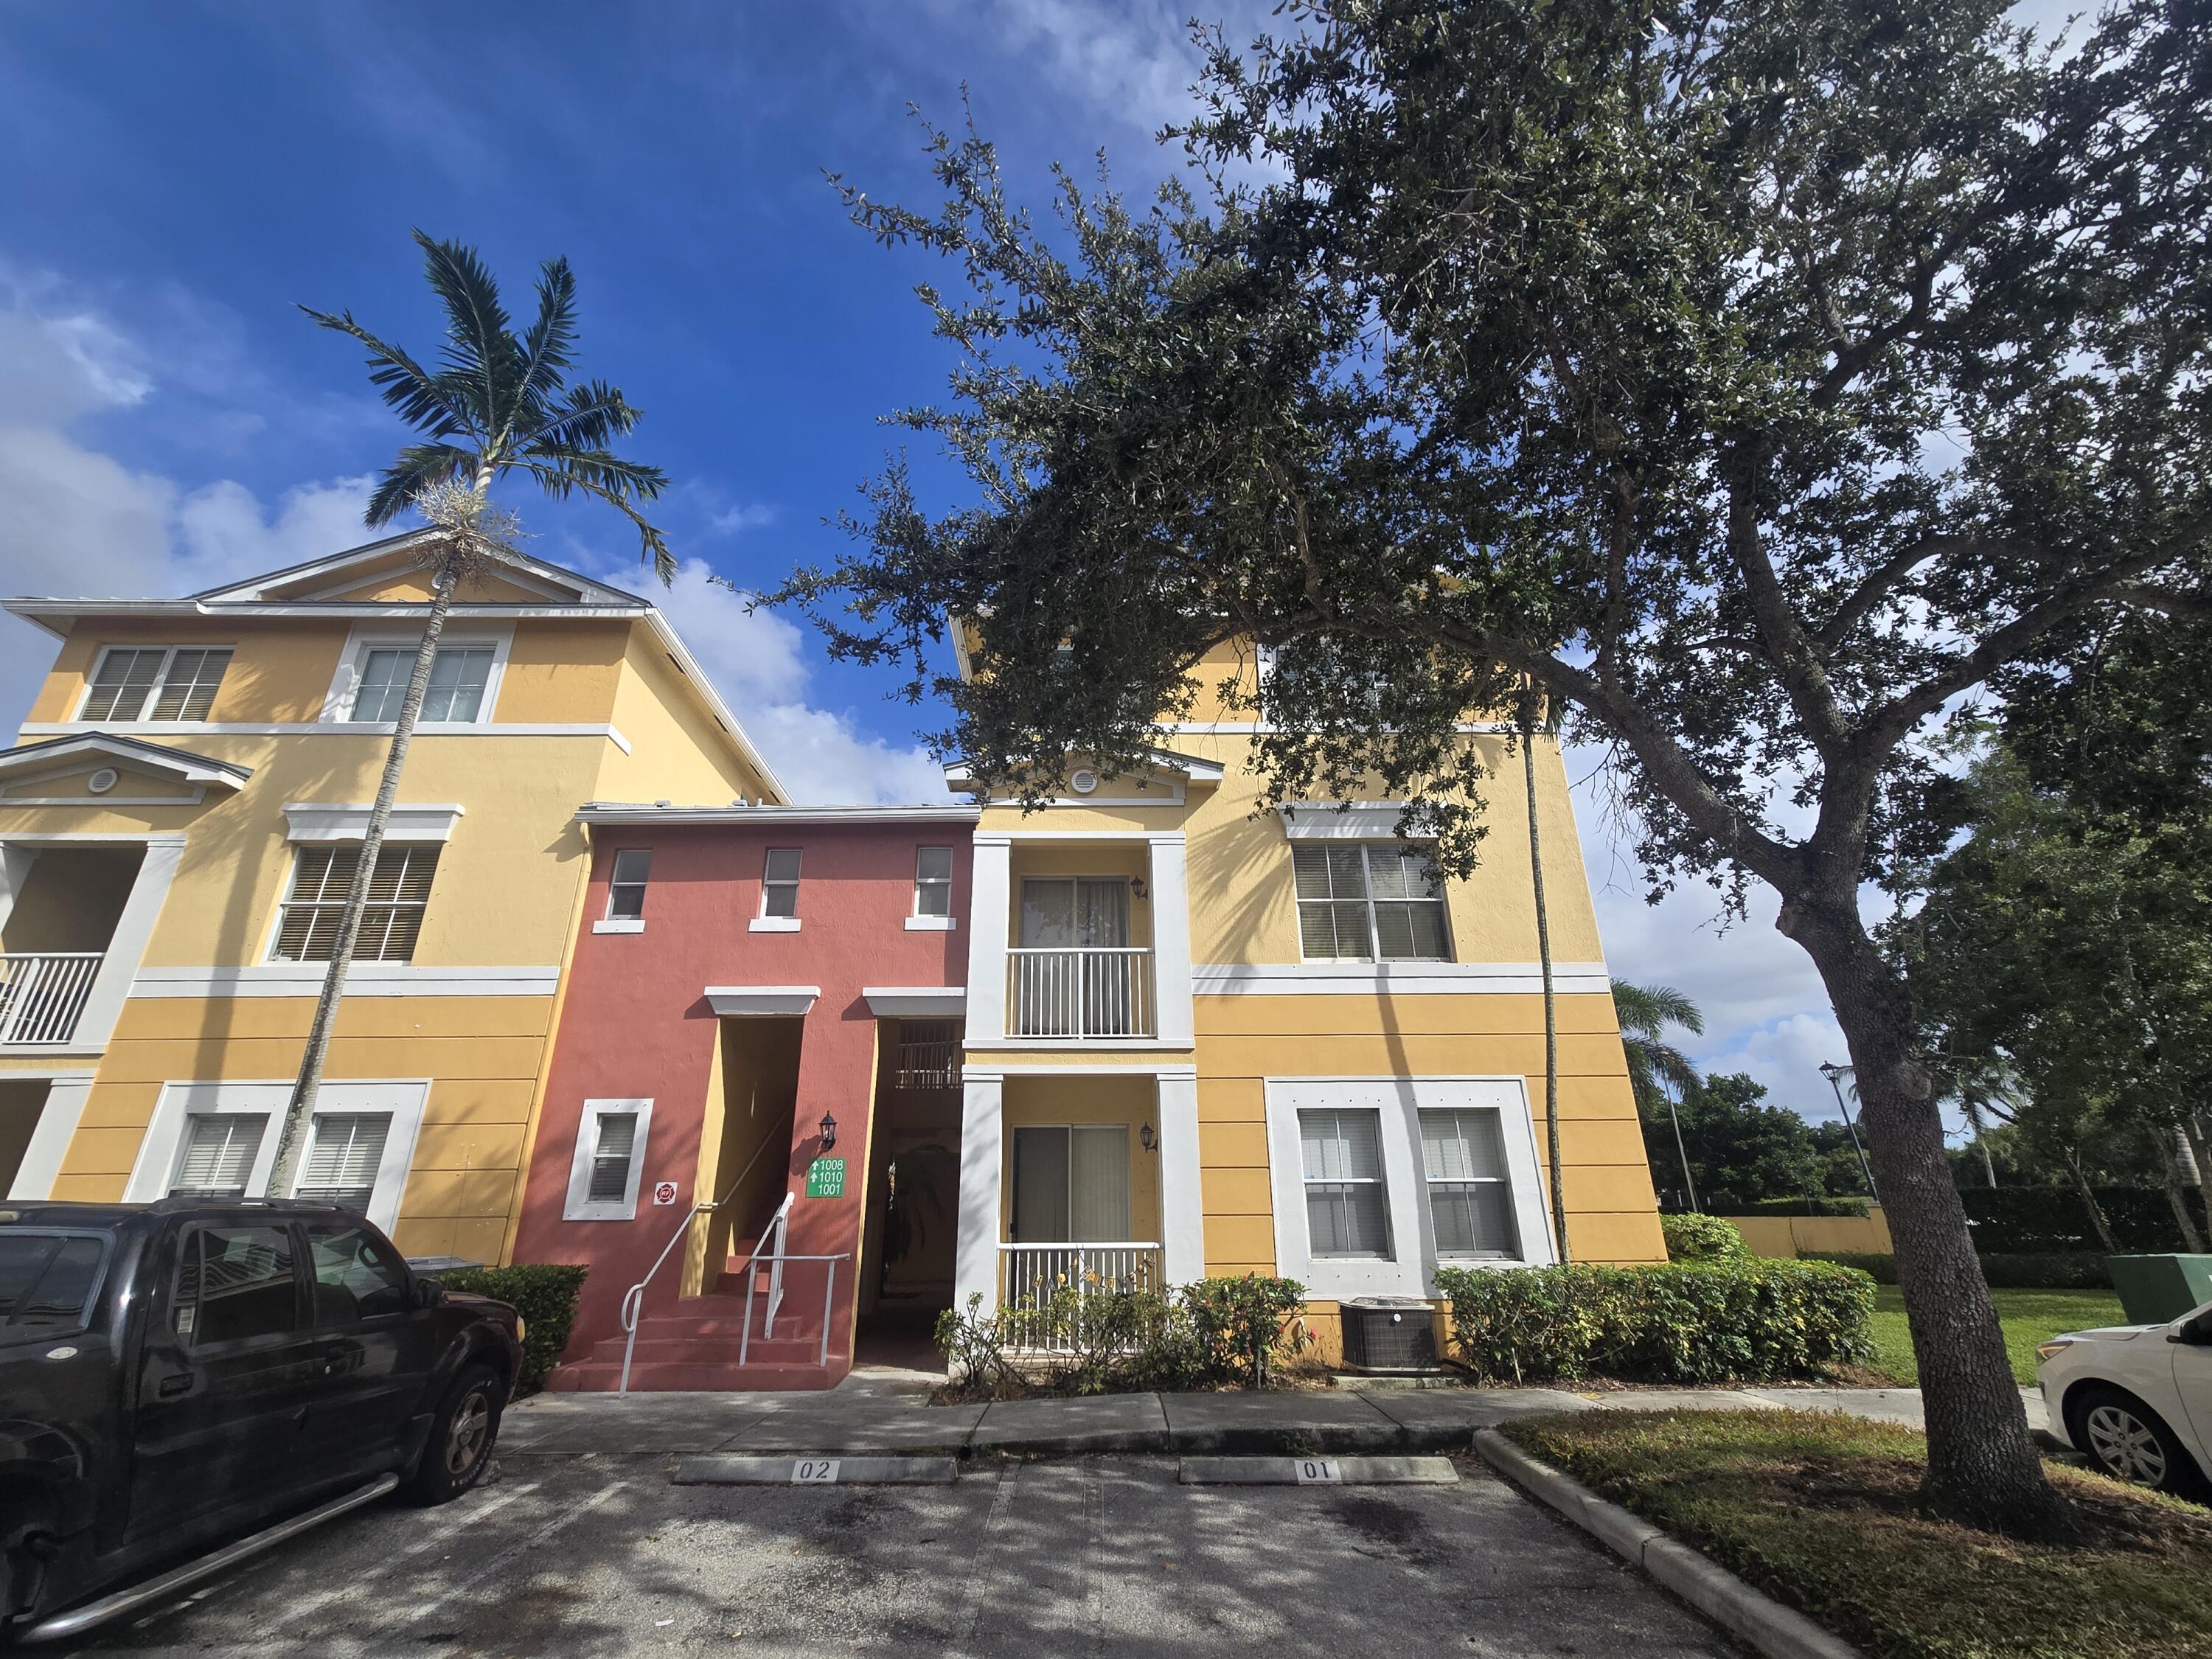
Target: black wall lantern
x,y
828,1132
1150,1140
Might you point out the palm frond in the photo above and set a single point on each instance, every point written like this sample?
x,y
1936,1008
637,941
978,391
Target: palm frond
x,y
480,349
1650,1009
593,416
417,467
560,483
545,347
424,401
601,469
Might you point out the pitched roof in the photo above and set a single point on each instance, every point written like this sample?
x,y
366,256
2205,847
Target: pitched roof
x,y
179,763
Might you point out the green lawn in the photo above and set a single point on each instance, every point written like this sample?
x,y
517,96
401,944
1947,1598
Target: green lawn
x,y
2028,1317
1819,1511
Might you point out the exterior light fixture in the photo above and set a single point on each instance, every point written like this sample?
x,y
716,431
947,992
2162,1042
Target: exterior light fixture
x,y
828,1132
1137,886
1151,1140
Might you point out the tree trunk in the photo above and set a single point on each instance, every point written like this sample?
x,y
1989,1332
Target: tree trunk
x,y
2200,1147
1692,1186
1981,1144
302,1104
1550,1013
2088,1196
1983,1468
2177,1194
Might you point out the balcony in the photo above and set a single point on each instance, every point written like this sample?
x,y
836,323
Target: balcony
x,y
1080,990
43,994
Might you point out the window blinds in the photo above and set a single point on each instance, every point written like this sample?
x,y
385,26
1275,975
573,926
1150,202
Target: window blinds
x,y
218,1155
342,1163
399,892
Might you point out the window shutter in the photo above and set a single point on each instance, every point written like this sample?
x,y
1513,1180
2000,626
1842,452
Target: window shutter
x,y
342,1163
119,691
188,691
219,1151
611,1161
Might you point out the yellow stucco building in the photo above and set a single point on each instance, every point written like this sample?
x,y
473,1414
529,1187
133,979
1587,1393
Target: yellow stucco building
x,y
175,823
1205,1039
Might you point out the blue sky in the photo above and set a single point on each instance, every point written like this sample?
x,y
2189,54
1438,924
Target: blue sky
x,y
185,173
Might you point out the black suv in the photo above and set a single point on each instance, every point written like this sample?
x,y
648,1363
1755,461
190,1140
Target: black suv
x,y
173,1374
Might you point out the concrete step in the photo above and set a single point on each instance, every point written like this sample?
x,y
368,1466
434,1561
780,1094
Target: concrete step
x,y
600,1376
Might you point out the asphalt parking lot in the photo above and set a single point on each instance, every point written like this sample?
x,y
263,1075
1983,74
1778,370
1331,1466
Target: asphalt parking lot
x,y
600,1554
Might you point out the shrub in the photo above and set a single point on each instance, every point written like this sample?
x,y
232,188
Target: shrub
x,y
2042,1220
545,1293
1242,1324
1734,1321
1694,1237
1799,1206
2049,1270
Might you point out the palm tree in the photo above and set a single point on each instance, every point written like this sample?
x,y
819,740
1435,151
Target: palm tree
x,y
1658,1073
498,403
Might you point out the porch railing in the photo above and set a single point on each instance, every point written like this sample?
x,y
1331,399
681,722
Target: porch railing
x,y
43,993
1080,990
1030,1277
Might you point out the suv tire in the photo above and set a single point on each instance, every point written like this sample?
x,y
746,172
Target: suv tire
x,y
462,1434
2127,1440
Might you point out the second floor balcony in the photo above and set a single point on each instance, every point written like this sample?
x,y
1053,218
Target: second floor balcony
x,y
42,995
1080,990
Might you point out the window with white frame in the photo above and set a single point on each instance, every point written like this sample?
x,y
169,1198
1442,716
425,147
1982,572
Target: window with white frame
x,y
155,683
933,881
1347,1210
610,1160
780,883
344,1152
458,674
1470,1191
1369,900
626,887
216,1154
398,896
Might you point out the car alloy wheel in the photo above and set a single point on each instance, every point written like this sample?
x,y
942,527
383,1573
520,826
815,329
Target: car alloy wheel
x,y
464,1439
2126,1445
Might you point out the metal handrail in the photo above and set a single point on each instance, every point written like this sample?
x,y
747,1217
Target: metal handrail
x,y
633,1302
774,1230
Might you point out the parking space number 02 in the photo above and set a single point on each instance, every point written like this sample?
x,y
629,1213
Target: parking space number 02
x,y
814,1472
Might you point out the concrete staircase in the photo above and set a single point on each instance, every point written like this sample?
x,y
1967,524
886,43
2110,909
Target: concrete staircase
x,y
696,1347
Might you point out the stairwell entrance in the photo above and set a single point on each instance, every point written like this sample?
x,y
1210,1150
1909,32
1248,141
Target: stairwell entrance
x,y
914,1185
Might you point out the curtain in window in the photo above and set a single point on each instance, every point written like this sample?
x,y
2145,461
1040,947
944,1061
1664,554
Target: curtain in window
x,y
1098,1183
1041,1183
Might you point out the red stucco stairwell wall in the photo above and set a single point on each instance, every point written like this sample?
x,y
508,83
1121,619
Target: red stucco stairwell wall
x,y
635,1023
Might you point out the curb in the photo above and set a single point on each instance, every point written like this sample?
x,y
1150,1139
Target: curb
x,y
1778,1631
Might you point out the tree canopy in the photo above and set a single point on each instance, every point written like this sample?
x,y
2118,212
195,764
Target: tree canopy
x,y
1751,382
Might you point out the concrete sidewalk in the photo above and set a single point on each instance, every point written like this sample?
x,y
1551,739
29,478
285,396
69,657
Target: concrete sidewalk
x,y
869,1414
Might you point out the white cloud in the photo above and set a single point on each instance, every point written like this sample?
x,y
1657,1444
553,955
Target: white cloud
x,y
757,661
746,515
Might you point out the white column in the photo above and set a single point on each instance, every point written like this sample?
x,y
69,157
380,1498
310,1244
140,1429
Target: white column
x,y
990,889
1172,941
49,1140
126,945
1183,1206
976,1258
16,861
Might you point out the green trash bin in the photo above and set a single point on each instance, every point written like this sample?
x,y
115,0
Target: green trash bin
x,y
2156,1289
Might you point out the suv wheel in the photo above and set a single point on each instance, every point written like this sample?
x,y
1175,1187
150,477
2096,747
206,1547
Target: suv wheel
x,y
2130,1442
462,1436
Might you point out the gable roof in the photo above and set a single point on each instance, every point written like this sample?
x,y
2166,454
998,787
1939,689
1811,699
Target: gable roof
x,y
179,764
336,574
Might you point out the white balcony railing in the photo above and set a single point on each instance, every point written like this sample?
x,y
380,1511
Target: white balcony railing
x,y
43,993
1033,1277
1078,991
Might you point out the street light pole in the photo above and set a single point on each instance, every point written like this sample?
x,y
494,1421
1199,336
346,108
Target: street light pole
x,y
1834,1073
1685,1152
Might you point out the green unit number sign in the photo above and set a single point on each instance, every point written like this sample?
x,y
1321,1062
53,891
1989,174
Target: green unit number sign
x,y
825,1178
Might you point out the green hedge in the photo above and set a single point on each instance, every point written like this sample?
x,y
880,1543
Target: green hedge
x,y
2011,1270
545,1294
1724,1321
1694,1237
1794,1206
2048,1220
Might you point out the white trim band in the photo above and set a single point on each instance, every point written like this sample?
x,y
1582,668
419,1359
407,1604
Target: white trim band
x,y
364,979
917,1001
1402,979
312,821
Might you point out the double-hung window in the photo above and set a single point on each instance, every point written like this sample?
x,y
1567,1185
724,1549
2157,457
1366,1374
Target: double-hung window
x,y
780,884
399,895
626,888
217,1156
459,675
610,1160
1470,1195
1369,900
343,1156
1347,1211
155,683
933,881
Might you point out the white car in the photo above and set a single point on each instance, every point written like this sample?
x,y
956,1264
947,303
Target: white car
x,y
2136,1400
